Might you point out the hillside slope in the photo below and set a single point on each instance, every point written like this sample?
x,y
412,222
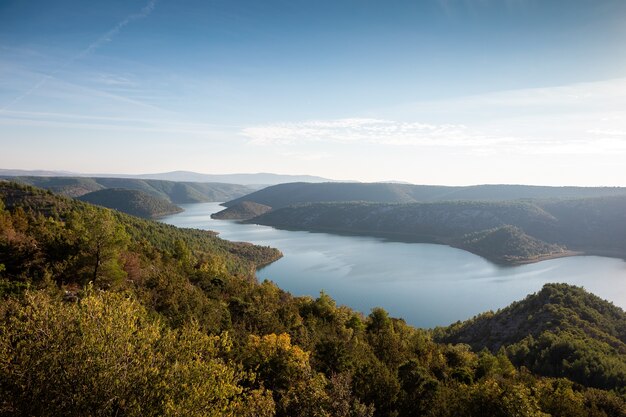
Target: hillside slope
x,y
242,211
559,331
536,229
239,258
174,192
509,244
453,223
133,202
283,195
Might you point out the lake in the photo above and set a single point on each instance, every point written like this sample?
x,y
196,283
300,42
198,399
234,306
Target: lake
x,y
427,285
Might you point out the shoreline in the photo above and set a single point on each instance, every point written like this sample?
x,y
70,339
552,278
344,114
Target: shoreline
x,y
407,238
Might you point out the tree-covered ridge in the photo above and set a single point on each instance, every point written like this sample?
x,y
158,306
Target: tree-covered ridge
x,y
284,195
172,191
53,224
241,211
133,202
560,331
107,314
483,228
502,231
508,244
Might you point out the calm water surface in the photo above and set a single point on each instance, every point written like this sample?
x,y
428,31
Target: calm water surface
x,y
427,285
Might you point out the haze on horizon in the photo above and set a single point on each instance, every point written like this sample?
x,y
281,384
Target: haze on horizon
x,y
433,92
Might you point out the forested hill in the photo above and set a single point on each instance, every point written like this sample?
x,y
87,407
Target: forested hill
x,y
174,192
68,217
134,202
242,211
110,315
283,195
503,231
559,331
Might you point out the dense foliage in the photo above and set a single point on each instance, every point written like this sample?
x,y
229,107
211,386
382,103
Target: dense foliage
x,y
134,202
508,244
241,211
504,231
172,191
283,195
477,226
107,314
560,331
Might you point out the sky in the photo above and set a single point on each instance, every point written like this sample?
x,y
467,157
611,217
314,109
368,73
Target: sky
x,y
424,91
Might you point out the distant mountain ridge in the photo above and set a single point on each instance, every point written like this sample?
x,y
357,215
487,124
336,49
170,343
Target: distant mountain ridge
x,y
501,231
283,195
173,192
507,224
261,178
180,176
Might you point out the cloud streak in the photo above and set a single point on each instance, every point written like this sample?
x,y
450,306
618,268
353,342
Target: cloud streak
x,y
368,131
384,132
106,38
104,123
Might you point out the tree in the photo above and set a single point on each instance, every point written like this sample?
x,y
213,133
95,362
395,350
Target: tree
x,y
106,356
285,369
101,239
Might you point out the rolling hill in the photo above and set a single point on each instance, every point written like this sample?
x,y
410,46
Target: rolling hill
x,y
174,192
243,211
298,193
134,202
559,331
501,231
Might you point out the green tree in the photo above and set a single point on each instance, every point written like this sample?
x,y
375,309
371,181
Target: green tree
x,y
100,239
105,356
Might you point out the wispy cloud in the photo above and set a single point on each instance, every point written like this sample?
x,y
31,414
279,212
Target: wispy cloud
x,y
104,123
114,80
106,38
608,132
384,132
364,130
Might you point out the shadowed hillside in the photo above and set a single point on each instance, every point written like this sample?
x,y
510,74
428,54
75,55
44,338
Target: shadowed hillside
x,y
174,192
134,202
480,227
533,229
559,331
283,195
242,211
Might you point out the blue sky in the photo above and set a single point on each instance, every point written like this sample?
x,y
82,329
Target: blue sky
x,y
429,91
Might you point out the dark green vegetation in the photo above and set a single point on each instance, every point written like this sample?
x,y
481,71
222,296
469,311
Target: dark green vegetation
x,y
242,211
174,192
106,314
134,202
504,232
561,331
283,195
508,244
